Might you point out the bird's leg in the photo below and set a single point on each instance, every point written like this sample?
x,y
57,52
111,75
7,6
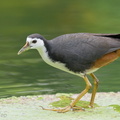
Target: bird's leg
x,y
88,86
96,81
73,103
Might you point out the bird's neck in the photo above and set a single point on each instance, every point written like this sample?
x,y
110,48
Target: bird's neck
x,y
44,51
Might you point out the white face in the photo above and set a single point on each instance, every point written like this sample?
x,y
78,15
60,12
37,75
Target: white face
x,y
35,43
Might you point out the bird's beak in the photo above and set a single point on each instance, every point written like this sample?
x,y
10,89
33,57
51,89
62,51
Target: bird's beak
x,y
24,48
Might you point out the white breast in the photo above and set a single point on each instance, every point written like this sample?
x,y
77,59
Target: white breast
x,y
44,54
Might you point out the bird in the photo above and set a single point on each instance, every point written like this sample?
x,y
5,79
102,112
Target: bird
x,y
80,54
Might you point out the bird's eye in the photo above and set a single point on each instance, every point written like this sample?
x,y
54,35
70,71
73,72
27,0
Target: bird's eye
x,y
34,41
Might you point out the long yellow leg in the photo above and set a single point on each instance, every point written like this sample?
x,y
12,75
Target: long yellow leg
x,y
73,103
96,81
88,86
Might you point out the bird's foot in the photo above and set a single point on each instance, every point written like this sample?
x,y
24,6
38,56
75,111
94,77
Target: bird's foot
x,y
66,109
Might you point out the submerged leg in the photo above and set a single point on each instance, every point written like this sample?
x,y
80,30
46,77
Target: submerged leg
x,y
73,103
96,81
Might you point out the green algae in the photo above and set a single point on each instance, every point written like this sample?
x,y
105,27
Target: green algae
x,y
40,98
116,107
27,108
65,100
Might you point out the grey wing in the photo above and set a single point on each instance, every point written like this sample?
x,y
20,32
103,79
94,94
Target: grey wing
x,y
82,50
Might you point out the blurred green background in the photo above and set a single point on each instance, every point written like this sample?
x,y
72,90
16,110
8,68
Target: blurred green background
x,y
27,74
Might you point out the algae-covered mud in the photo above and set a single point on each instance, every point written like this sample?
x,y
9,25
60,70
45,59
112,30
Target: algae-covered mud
x,y
107,107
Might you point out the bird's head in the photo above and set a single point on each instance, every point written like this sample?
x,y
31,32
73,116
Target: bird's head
x,y
33,41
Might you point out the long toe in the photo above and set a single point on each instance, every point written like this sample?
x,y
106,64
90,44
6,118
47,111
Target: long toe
x,y
60,110
65,109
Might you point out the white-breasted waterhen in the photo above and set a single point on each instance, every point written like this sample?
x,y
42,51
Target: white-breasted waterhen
x,y
80,54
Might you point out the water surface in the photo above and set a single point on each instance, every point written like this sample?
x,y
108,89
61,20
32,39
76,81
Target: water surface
x,y
27,74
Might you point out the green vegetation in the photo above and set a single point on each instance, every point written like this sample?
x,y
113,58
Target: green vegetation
x,y
116,107
65,100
